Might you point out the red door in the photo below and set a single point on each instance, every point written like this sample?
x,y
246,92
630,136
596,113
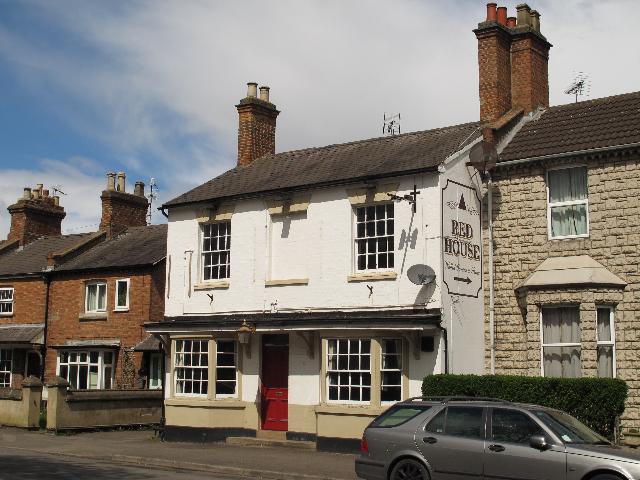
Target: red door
x,y
275,382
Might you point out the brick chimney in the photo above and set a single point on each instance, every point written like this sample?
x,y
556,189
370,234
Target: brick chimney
x,y
256,125
35,215
121,209
513,60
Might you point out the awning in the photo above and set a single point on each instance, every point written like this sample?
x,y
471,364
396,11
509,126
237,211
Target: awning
x,y
28,334
149,344
90,343
576,271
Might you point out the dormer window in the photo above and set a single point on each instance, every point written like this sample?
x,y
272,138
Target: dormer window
x,y
374,237
216,251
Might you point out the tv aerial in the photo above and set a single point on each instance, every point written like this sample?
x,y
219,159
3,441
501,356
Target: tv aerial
x,y
581,85
421,274
483,156
57,189
391,124
153,189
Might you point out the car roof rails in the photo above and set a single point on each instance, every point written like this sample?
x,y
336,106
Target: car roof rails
x,y
454,398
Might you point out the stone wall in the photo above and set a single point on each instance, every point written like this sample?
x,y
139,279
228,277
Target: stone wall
x,y
521,243
21,407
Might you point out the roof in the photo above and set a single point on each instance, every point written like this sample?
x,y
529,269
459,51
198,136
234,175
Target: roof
x,y
19,333
136,246
149,344
32,259
347,162
579,270
604,122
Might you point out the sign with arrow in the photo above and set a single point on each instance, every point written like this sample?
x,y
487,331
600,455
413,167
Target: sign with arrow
x,y
461,240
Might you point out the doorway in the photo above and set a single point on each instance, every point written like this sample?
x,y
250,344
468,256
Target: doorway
x,y
274,393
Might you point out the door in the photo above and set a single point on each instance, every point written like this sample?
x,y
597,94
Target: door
x,y
33,364
509,455
275,382
453,443
155,371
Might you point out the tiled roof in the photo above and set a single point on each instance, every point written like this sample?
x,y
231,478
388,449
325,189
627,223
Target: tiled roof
x,y
377,157
604,122
137,246
149,344
14,333
33,257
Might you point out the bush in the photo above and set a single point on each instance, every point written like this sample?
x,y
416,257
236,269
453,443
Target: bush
x,y
594,401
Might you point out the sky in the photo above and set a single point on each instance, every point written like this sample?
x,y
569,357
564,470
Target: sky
x,y
149,87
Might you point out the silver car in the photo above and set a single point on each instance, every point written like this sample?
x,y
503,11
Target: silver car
x,y
463,439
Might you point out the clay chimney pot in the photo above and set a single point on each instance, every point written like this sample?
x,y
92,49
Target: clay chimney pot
x,y
535,20
111,181
524,17
264,93
491,12
252,90
121,182
26,193
511,22
139,189
502,16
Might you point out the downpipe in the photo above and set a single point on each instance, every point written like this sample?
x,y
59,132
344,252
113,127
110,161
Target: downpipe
x,y
492,336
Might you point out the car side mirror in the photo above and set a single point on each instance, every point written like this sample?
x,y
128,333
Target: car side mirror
x,y
539,442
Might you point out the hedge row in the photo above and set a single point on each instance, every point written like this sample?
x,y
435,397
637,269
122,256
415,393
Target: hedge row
x,y
594,401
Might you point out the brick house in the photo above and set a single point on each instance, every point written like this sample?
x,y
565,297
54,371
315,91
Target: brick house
x,y
562,231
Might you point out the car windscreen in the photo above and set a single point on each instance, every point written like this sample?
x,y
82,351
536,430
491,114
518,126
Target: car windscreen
x,y
398,415
569,429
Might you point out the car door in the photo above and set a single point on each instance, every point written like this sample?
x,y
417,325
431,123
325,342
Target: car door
x,y
453,442
509,454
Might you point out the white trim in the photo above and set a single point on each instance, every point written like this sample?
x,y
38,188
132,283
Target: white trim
x,y
348,371
101,365
354,238
401,369
201,253
205,368
86,296
611,342
8,302
120,308
584,202
543,344
10,366
236,351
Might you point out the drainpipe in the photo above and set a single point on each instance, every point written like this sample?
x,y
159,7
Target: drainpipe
x,y
492,337
445,337
163,420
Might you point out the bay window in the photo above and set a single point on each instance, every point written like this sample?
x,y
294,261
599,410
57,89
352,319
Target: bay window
x,y
87,369
349,370
226,368
568,205
561,347
191,367
606,343
391,370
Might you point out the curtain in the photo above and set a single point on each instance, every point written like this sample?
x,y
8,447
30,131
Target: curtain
x,y
564,186
605,352
91,297
561,325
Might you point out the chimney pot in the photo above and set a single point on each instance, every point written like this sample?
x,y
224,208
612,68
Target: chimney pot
x,y
491,12
26,193
535,20
139,189
511,22
264,93
502,16
45,193
524,16
35,194
111,181
252,89
121,182
56,200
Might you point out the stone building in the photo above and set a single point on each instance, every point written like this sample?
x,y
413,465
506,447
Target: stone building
x,y
562,230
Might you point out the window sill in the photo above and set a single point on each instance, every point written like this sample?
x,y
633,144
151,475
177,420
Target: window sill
x,y
372,276
203,402
569,237
92,316
350,409
121,310
289,281
220,284
6,315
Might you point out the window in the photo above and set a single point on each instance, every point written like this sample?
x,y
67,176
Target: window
x,y
399,415
561,342
349,370
458,421
391,370
374,237
568,204
96,297
6,301
191,366
90,369
122,294
216,250
226,368
155,371
511,426
5,367
605,336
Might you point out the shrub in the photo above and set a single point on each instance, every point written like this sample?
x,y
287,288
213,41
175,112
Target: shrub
x,y
594,401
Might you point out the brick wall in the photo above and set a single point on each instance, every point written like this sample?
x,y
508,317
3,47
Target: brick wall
x,y
28,301
521,244
121,210
32,219
256,130
529,72
494,62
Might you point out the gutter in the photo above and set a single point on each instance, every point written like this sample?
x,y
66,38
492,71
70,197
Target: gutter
x,y
574,153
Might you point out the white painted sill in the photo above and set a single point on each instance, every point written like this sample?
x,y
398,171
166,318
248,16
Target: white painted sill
x,y
569,237
289,281
121,309
217,285
372,276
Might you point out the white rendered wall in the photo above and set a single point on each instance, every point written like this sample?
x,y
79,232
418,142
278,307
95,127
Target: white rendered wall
x,y
304,373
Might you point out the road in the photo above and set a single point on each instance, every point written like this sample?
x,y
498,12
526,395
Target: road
x,y
24,465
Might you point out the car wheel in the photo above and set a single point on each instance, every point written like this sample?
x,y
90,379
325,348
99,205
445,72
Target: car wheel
x,y
606,476
409,470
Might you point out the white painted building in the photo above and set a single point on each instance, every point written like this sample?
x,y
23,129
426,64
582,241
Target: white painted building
x,y
288,302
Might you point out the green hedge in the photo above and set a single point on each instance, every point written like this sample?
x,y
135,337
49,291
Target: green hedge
x,y
595,401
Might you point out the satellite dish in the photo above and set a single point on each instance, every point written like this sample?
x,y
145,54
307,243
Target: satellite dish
x,y
483,156
421,274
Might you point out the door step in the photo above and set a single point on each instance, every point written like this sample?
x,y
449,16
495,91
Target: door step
x,y
271,434
269,442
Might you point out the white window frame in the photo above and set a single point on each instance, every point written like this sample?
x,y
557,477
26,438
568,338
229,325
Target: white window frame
x,y
203,253
401,369
348,371
7,302
102,366
543,345
86,296
155,383
354,238
175,367
566,204
612,342
125,307
235,368
10,350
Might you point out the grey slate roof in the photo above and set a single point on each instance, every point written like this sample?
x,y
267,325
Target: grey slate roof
x,y
604,122
137,246
14,333
149,344
32,259
373,158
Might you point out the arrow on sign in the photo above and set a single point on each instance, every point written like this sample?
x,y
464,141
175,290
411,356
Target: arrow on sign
x,y
465,280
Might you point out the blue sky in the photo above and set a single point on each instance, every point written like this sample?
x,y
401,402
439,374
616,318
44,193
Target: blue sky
x,y
149,87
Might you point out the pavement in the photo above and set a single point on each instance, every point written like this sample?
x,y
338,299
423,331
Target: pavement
x,y
139,448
